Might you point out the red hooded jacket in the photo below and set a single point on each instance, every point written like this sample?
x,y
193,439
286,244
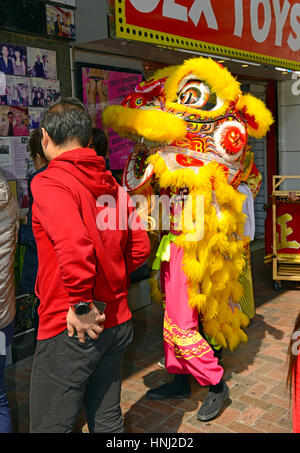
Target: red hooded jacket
x,y
89,239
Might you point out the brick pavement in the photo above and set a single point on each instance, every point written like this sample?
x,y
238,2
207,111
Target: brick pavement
x,y
255,373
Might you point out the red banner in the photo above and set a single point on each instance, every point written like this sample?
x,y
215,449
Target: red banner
x,y
288,232
269,28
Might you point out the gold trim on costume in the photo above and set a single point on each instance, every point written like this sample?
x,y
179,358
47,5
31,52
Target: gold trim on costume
x,y
184,339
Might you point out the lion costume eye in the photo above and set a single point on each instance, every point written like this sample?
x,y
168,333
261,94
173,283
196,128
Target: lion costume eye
x,y
197,95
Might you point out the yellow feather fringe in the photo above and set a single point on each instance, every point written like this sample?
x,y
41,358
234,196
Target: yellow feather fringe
x,y
217,77
129,123
262,115
214,263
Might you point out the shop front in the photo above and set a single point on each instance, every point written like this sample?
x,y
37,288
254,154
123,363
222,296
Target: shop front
x,y
258,41
118,43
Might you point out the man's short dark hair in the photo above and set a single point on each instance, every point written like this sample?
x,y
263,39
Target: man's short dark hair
x,y
99,142
68,120
35,145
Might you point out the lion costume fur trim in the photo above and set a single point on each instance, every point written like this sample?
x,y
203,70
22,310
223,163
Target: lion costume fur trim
x,y
213,263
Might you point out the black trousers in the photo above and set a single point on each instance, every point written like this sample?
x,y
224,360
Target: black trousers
x,y
67,375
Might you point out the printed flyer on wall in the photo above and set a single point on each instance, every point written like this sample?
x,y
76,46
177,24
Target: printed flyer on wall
x,y
102,87
60,22
15,160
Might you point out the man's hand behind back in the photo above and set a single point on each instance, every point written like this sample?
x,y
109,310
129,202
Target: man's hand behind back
x,y
90,324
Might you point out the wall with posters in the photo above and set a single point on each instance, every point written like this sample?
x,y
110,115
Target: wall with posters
x,y
38,73
60,47
28,84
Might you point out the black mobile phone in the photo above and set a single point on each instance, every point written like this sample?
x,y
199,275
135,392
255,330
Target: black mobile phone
x,y
100,306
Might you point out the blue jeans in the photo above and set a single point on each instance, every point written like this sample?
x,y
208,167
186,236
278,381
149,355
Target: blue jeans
x,y
5,418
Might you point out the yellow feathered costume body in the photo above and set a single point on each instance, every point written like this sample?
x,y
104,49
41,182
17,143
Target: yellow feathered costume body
x,y
195,121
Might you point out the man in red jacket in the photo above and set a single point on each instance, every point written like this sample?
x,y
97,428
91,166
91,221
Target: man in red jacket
x,y
87,248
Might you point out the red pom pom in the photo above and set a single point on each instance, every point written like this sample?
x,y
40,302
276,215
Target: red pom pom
x,y
233,140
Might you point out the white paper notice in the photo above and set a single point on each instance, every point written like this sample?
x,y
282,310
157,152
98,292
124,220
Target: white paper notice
x,y
15,160
5,152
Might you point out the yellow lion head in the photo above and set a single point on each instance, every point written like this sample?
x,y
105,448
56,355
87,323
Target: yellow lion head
x,y
193,114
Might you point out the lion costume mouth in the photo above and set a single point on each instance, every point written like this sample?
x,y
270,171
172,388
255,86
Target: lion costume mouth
x,y
177,158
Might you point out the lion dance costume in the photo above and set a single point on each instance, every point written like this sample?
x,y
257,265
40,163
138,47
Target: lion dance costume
x,y
193,121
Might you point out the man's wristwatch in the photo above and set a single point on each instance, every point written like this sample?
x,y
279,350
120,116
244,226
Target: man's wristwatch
x,y
82,308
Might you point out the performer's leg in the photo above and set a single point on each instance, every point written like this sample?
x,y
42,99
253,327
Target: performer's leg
x,y
247,301
179,388
218,352
214,401
186,351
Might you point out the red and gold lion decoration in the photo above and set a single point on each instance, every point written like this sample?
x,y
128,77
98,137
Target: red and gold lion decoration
x,y
191,124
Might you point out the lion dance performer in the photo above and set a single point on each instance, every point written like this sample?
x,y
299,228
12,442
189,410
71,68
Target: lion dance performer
x,y
193,122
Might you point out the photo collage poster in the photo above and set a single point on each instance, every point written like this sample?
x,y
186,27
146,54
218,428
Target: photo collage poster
x,y
28,84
